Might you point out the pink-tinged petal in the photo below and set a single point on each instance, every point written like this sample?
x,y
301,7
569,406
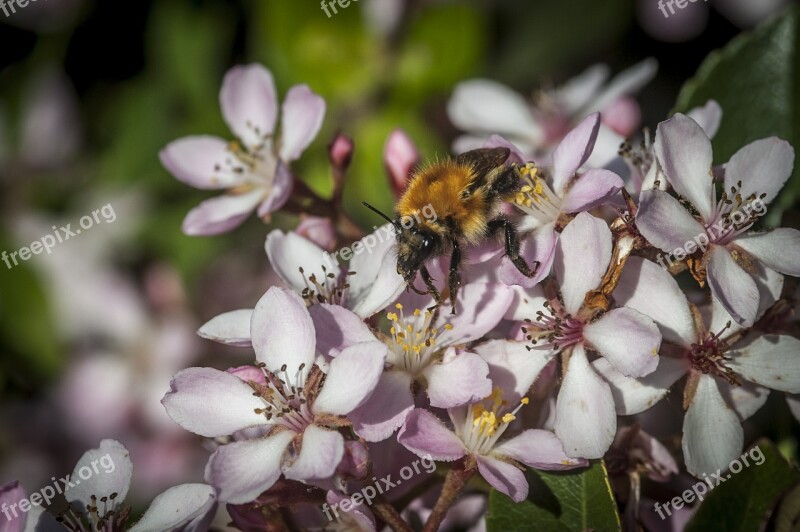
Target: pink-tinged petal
x,y
249,374
707,117
200,162
283,333
626,338
387,286
480,307
358,518
337,328
623,116
230,328
289,252
539,449
504,477
627,82
771,360
606,148
400,156
115,476
573,151
467,369
386,409
318,230
513,368
352,377
746,398
425,435
279,191
241,471
487,106
539,246
635,395
10,494
734,287
221,214
664,222
496,141
212,403
582,255
651,290
586,420
249,103
303,112
527,302
577,92
685,154
779,249
591,189
320,454
712,432
368,266
180,507
762,167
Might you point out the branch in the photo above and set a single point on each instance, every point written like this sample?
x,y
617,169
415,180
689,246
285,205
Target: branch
x,y
454,483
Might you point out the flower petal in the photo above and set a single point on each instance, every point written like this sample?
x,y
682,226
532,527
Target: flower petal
x,y
230,328
771,360
513,368
11,493
115,476
199,161
664,222
242,470
504,477
779,249
279,192
351,378
211,403
178,507
732,286
480,307
320,454
385,287
685,154
625,83
746,399
539,246
386,409
585,417
425,435
249,103
467,369
762,167
337,328
651,290
289,252
712,432
626,338
707,117
635,395
590,189
577,92
484,105
283,333
572,152
221,214
539,449
582,255
303,113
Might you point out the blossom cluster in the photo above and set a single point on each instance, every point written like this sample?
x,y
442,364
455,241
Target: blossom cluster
x,y
352,374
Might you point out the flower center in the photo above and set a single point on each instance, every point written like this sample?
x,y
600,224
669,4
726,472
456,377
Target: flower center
x,y
639,159
257,165
331,289
708,356
735,214
95,517
536,198
413,339
286,401
486,421
555,330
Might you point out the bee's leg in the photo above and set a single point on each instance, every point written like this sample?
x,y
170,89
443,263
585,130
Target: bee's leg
x,y
426,276
512,246
454,279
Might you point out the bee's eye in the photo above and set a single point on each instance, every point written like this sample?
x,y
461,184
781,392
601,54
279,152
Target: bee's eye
x,y
427,241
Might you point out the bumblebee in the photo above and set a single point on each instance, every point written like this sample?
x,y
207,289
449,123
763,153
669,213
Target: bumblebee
x,y
466,195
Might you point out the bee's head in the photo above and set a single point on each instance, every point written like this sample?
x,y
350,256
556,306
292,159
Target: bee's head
x,y
414,247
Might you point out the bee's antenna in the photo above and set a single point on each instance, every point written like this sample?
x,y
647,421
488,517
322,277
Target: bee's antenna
x,y
379,213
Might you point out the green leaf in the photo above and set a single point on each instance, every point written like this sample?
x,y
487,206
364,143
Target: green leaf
x,y
756,80
745,499
564,500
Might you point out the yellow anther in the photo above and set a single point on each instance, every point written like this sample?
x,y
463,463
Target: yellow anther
x,y
524,400
508,418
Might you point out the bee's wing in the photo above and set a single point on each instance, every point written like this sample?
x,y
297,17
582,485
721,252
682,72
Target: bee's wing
x,y
483,161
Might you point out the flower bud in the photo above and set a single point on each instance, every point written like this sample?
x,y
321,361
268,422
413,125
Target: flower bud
x,y
400,156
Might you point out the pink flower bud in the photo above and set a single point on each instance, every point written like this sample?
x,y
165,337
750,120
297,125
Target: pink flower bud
x,y
318,230
340,151
400,155
623,116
